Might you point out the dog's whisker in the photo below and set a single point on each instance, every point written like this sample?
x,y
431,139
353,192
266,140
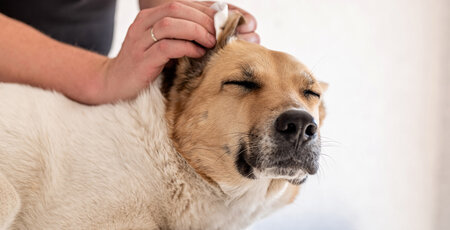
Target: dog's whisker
x,y
329,139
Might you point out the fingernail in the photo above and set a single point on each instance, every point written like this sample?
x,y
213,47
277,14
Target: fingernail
x,y
211,39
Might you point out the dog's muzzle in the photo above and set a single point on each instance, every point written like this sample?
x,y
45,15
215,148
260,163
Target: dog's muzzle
x,y
289,149
296,137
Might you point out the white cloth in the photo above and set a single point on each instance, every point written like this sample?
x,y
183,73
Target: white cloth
x,y
220,17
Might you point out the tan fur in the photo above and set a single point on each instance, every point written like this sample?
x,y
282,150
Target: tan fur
x,y
149,163
201,122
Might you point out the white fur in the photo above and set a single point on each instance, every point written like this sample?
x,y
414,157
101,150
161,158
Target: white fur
x,y
106,167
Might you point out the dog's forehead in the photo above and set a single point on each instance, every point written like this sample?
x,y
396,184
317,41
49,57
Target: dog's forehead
x,y
241,54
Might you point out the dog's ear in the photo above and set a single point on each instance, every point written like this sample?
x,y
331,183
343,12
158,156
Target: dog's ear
x,y
235,19
322,110
323,85
194,67
322,113
184,75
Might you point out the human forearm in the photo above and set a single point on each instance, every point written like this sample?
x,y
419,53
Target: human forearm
x,y
144,4
29,57
179,28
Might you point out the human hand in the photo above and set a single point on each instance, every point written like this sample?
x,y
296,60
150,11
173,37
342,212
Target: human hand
x,y
141,58
245,31
175,25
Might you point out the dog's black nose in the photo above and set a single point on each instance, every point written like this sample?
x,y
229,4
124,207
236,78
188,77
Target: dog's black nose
x,y
296,124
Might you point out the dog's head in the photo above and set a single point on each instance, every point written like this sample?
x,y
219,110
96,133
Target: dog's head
x,y
243,112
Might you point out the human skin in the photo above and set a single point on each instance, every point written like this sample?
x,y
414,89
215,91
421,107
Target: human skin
x,y
29,57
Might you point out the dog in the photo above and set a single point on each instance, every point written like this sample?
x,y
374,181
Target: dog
x,y
215,143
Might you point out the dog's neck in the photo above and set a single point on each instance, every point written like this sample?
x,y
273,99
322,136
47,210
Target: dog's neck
x,y
233,189
221,202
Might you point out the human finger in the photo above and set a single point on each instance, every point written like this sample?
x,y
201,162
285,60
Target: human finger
x,y
250,24
250,37
204,8
174,28
162,51
148,17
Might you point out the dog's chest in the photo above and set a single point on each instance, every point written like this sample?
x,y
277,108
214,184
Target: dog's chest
x,y
207,211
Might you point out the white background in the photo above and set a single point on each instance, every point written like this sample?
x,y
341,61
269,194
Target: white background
x,y
387,163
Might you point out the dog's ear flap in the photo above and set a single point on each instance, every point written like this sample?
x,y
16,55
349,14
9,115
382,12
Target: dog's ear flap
x,y
322,110
323,85
195,66
322,113
235,19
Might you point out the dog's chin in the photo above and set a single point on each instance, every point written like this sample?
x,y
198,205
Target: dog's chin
x,y
294,176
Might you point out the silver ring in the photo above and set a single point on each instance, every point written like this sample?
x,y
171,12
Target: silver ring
x,y
153,35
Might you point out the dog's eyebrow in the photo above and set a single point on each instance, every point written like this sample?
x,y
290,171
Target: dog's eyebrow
x,y
308,77
247,71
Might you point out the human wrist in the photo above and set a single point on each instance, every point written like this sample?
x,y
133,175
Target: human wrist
x,y
92,88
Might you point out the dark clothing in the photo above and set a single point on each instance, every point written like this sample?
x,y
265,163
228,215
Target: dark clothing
x,y
85,23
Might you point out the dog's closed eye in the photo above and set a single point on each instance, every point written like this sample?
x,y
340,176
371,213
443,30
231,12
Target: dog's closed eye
x,y
309,93
248,85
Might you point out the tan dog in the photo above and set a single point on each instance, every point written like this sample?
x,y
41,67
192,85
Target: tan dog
x,y
226,141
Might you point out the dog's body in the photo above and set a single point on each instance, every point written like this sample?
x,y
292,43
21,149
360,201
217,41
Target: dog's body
x,y
113,169
207,150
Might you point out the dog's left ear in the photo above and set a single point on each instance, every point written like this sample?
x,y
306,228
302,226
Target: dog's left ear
x,y
322,110
323,85
186,72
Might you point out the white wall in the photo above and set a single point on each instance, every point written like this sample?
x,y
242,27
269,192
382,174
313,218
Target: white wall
x,y
444,170
387,65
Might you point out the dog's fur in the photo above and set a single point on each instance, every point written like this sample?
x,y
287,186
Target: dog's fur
x,y
165,160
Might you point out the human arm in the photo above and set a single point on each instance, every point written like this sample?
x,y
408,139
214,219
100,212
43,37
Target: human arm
x,y
30,57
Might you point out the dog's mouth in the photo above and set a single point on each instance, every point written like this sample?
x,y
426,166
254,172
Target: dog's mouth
x,y
307,163
258,162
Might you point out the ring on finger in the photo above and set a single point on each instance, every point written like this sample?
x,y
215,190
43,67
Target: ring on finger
x,y
153,35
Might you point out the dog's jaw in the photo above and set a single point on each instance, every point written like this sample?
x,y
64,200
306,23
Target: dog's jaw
x,y
289,174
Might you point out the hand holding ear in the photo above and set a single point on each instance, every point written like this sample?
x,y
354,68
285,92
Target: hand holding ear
x,y
247,30
169,31
157,35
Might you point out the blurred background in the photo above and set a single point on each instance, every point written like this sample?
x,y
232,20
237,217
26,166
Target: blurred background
x,y
386,138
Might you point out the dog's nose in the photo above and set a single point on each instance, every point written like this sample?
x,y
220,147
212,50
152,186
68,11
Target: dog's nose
x,y
296,124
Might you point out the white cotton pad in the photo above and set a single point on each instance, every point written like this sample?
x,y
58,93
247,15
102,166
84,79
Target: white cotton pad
x,y
220,18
